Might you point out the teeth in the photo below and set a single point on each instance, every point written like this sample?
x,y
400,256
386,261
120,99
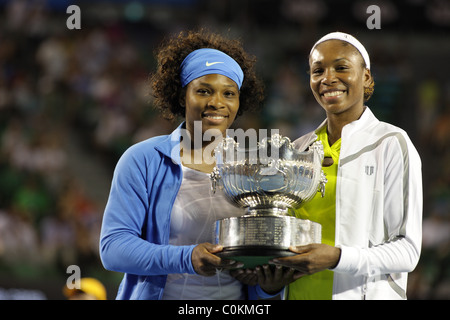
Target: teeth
x,y
215,117
333,93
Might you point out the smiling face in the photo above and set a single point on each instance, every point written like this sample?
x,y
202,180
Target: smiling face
x,y
338,78
212,99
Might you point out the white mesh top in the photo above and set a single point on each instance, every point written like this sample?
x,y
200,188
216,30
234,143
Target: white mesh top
x,y
195,210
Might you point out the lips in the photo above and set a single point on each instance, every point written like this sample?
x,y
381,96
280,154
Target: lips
x,y
332,93
214,116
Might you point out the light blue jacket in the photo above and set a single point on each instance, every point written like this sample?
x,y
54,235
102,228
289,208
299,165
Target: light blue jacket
x,y
136,224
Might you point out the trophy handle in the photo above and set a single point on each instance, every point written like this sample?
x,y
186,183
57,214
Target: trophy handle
x,y
318,149
323,181
215,178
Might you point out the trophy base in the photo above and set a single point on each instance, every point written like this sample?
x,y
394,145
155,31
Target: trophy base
x,y
254,256
256,239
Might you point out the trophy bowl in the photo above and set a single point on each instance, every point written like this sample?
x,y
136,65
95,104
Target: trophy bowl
x,y
269,181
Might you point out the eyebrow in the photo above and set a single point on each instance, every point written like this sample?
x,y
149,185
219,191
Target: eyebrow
x,y
334,61
225,85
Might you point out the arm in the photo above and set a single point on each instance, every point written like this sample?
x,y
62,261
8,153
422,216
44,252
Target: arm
x,y
402,209
132,242
122,244
402,216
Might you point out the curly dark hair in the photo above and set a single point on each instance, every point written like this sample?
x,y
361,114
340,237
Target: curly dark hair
x,y
166,83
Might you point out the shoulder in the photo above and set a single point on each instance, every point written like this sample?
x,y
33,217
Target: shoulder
x,y
148,145
390,132
154,150
370,126
398,138
143,152
305,141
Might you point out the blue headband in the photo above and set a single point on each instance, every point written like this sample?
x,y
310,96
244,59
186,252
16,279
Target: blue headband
x,y
210,61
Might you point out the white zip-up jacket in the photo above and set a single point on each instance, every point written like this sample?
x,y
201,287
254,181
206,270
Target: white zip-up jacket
x,y
378,209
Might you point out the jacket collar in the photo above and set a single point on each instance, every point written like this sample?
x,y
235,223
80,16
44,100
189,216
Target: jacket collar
x,y
367,118
170,145
363,122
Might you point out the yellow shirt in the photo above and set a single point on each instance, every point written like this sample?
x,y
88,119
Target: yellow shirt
x,y
319,286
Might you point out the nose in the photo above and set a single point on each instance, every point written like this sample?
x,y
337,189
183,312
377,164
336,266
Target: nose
x,y
328,77
216,101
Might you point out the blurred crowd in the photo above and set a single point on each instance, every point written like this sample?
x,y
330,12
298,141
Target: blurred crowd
x,y
57,85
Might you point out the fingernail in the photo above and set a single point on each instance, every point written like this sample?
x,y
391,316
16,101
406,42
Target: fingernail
x,y
274,261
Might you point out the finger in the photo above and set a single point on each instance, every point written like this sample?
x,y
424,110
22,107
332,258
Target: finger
x,y
247,277
260,274
208,271
213,248
238,275
236,272
230,264
250,277
300,249
278,273
297,275
206,250
288,274
252,281
286,261
267,272
217,262
220,262
214,260
211,262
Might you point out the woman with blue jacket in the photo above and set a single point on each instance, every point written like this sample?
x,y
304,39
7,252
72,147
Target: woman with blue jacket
x,y
158,220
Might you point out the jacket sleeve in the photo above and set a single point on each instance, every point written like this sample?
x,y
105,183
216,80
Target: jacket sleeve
x,y
122,245
402,217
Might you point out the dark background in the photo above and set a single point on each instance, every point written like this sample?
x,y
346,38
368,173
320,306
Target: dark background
x,y
71,101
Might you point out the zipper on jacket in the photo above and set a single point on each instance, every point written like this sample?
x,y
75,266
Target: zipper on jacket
x,y
364,289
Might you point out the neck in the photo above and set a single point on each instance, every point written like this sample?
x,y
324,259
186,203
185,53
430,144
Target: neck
x,y
199,158
336,122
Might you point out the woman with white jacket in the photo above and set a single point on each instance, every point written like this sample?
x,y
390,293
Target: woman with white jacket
x,y
371,215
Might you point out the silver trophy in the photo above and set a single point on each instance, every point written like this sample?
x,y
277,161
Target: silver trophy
x,y
269,181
